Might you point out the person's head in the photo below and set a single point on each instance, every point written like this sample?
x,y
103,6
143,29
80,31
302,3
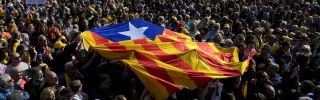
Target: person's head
x,y
42,40
36,75
48,94
31,29
228,96
42,28
76,86
120,97
65,94
239,38
303,57
44,67
104,81
257,32
51,78
193,26
258,96
77,37
16,74
16,35
6,82
266,49
305,50
70,68
250,42
306,87
285,45
242,47
40,58
283,24
23,50
15,58
317,91
262,78
218,38
226,28
216,26
269,92
59,45
271,39
272,69
228,43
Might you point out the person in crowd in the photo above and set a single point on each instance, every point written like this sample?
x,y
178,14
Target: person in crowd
x,y
17,63
44,48
7,87
269,92
264,58
3,65
51,80
306,89
48,94
35,84
71,73
65,94
76,88
18,77
103,90
120,97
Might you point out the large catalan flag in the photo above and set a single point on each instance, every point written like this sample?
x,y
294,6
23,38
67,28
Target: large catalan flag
x,y
165,61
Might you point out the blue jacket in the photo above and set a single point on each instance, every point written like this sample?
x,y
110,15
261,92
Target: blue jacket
x,y
5,94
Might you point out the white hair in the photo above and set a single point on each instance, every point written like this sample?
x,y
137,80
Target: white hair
x,y
306,47
4,80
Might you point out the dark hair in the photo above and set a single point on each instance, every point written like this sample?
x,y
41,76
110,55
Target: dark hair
x,y
257,96
250,39
102,77
285,43
307,86
65,94
33,71
259,74
228,96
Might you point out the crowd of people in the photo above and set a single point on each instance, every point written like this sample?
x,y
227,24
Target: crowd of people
x,y
41,56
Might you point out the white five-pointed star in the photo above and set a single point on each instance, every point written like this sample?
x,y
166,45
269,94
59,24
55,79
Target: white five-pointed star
x,y
134,33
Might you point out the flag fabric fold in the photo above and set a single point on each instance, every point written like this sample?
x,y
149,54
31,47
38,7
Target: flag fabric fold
x,y
164,61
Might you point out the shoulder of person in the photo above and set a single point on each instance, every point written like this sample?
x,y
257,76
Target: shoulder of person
x,y
83,94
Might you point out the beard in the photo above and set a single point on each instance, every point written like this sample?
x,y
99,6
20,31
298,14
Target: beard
x,y
38,81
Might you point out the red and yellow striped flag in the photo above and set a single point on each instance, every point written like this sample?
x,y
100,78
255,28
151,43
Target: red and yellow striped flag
x,y
170,61
166,67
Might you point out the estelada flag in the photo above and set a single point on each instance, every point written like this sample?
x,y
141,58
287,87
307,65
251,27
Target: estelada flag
x,y
134,31
164,61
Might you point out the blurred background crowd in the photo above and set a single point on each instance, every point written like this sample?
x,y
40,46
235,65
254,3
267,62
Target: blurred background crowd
x,y
41,55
